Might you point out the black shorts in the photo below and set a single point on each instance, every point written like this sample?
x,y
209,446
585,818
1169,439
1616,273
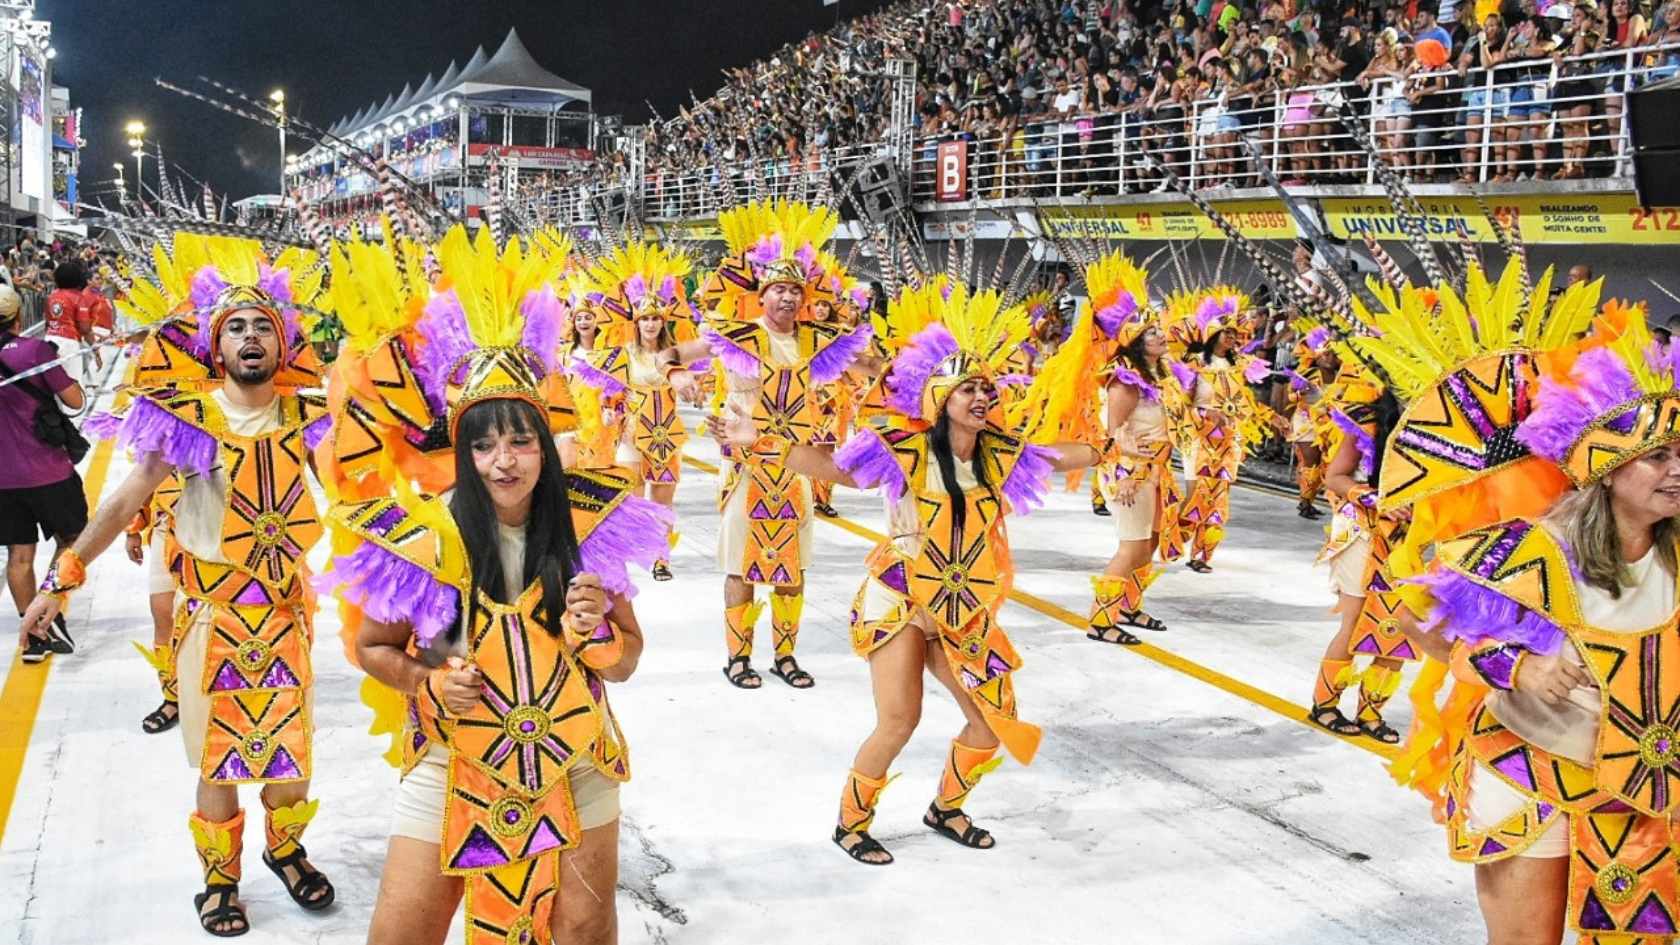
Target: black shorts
x,y
57,511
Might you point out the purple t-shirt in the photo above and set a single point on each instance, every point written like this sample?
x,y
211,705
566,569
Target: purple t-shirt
x,y
31,463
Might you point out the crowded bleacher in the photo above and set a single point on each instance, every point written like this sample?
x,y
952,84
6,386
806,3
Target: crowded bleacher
x,y
1068,96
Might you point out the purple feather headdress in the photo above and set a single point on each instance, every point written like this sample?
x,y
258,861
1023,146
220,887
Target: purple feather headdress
x,y
1111,317
1317,339
1211,310
545,321
1603,386
916,365
444,326
206,296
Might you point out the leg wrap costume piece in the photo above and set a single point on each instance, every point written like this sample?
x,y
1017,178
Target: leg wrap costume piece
x,y
857,802
738,624
162,660
220,846
1208,506
1377,685
785,610
1117,600
283,827
1334,676
964,767
1310,479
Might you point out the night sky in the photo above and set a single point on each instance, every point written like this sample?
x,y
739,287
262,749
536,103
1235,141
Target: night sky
x,y
332,58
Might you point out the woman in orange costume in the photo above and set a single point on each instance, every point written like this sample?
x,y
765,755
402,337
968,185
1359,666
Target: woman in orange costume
x,y
493,616
935,588
639,290
1224,417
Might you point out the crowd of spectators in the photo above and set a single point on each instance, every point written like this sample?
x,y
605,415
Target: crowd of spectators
x,y
1051,92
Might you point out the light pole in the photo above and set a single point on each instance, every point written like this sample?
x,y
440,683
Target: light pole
x,y
278,97
122,185
135,129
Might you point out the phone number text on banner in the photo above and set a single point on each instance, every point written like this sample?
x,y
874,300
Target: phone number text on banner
x,y
1255,219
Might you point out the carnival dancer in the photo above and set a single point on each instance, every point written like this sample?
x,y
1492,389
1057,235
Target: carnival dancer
x,y
1121,349
836,403
949,473
1225,417
490,619
638,290
243,523
776,359
1552,760
1360,541
1310,426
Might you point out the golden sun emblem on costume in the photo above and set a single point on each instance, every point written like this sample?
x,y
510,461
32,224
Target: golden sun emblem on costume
x,y
526,724
252,654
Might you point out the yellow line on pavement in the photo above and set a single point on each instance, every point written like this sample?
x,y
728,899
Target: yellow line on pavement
x,y
20,700
1236,687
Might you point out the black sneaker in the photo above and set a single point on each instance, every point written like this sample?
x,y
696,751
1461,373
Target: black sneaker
x,y
58,637
37,650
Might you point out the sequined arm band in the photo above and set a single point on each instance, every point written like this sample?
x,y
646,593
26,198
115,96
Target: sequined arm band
x,y
66,574
1489,662
598,648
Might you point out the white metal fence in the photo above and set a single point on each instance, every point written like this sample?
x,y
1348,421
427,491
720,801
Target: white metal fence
x,y
1555,119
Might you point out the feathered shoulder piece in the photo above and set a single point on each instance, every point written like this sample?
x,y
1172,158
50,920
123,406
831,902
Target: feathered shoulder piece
x,y
827,349
1464,366
896,460
1511,581
173,353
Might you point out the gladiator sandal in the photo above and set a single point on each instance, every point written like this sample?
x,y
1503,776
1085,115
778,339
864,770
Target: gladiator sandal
x,y
1377,685
1116,604
1099,504
857,813
283,826
784,628
964,767
220,846
168,714
1334,676
738,624
662,567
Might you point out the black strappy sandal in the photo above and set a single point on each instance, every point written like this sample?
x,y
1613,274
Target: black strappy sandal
x,y
1333,721
795,677
1379,730
862,848
1112,635
309,880
661,571
158,721
825,510
1141,619
1199,566
939,821
742,676
224,913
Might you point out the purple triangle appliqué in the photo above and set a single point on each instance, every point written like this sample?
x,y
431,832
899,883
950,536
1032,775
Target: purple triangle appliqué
x,y
543,838
228,678
252,594
1405,652
479,852
280,676
1652,918
1515,766
1367,645
894,577
1491,846
1594,918
282,765
232,768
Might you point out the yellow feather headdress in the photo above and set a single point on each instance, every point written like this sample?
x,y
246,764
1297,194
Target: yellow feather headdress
x,y
634,279
945,334
780,241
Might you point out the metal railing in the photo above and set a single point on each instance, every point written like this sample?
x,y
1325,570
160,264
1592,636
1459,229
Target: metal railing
x,y
1539,118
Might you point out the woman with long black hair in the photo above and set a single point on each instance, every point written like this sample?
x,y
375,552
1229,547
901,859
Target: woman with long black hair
x,y
949,475
1357,550
490,620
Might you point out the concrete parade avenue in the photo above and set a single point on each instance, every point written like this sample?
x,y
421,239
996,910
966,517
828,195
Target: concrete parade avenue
x,y
1179,796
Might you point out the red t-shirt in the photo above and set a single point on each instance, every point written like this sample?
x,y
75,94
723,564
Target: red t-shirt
x,y
98,308
67,314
